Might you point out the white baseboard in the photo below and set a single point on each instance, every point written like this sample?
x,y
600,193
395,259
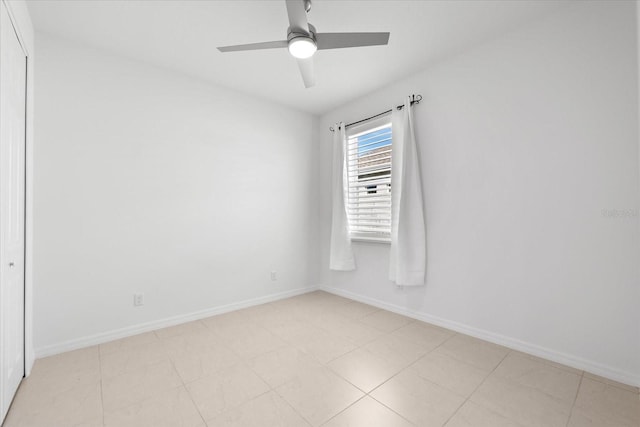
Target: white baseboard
x,y
512,343
162,323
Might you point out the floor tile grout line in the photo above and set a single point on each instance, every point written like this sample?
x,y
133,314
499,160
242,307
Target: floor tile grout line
x,y
227,410
321,366
464,361
546,362
325,366
519,384
530,387
153,395
184,387
510,350
149,396
392,410
290,405
146,398
612,383
412,364
338,357
245,362
349,406
453,335
402,370
365,393
395,374
101,384
575,398
389,379
476,389
156,393
386,334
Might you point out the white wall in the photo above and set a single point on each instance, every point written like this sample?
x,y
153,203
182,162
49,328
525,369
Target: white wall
x,y
523,143
150,182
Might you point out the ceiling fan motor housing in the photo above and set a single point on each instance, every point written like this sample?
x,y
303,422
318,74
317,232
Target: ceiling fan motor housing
x,y
294,33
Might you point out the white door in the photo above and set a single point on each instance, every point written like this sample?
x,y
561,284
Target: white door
x,y
13,69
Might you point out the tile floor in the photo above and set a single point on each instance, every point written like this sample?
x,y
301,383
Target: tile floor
x,y
313,360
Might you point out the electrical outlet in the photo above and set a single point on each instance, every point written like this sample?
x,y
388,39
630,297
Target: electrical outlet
x,y
274,276
138,300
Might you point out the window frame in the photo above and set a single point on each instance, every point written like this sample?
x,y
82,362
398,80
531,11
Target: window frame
x,y
354,131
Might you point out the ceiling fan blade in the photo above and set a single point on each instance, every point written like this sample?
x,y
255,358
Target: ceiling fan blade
x,y
307,72
297,12
254,46
341,40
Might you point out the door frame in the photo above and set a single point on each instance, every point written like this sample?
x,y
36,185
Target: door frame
x,y
25,38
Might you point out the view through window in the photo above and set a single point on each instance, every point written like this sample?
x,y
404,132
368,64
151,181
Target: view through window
x,y
369,182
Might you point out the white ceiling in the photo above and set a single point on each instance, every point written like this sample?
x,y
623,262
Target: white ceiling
x,y
183,35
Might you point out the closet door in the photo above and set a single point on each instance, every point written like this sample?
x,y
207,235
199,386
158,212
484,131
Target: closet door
x,y
13,68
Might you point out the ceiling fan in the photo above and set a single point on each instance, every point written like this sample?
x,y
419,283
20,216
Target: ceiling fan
x,y
303,40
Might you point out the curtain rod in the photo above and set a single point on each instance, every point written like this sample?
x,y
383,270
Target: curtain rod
x,y
415,99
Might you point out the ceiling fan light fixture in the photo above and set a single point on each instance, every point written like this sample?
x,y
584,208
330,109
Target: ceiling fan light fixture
x,y
303,40
302,47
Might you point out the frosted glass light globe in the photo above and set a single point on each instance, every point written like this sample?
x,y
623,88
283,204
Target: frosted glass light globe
x,y
302,47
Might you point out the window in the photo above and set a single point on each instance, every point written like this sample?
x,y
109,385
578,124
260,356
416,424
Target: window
x,y
369,180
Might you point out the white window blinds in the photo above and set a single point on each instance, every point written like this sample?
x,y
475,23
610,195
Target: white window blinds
x,y
369,181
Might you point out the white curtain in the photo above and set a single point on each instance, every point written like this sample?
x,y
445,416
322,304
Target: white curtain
x,y
408,257
341,257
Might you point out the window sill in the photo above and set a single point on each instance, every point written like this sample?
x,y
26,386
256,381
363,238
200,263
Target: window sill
x,y
378,240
